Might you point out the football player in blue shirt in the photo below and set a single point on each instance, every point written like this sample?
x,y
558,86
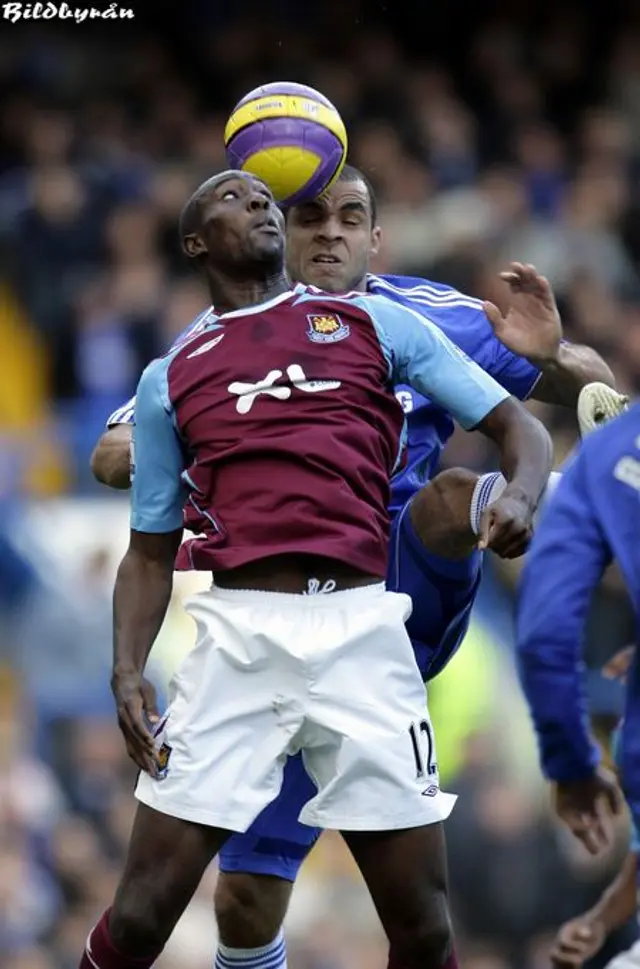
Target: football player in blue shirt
x,y
436,551
592,520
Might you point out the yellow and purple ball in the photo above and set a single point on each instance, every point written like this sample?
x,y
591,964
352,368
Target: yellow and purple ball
x,y
289,136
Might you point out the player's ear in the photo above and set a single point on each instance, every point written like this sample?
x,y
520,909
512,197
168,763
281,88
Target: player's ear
x,y
193,245
376,240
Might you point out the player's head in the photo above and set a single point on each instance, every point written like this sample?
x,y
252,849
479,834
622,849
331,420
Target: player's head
x,y
331,240
232,225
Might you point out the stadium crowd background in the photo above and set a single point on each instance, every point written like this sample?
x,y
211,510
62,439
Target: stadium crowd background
x,y
488,138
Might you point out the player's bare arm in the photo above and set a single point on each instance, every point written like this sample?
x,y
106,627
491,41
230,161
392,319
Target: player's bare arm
x,y
583,936
526,456
532,328
110,461
140,600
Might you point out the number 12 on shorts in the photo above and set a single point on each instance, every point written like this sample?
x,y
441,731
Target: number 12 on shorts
x,y
422,743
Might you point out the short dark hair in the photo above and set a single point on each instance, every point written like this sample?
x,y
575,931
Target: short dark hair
x,y
352,174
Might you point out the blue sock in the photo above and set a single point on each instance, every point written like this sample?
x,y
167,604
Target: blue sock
x,y
271,956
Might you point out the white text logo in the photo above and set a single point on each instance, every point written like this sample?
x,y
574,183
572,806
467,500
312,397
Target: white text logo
x,y
247,393
627,470
405,400
62,11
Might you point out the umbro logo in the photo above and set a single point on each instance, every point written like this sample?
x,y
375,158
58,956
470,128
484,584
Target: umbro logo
x,y
209,345
430,791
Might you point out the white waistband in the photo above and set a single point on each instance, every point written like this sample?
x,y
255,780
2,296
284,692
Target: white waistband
x,y
319,599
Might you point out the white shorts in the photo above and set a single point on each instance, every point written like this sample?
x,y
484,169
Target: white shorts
x,y
332,675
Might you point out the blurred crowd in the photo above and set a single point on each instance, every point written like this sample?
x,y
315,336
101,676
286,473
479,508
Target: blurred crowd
x,y
512,137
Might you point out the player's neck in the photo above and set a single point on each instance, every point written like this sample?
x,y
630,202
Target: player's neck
x,y
232,294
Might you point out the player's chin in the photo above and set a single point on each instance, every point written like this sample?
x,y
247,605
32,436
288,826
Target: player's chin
x,y
268,246
330,277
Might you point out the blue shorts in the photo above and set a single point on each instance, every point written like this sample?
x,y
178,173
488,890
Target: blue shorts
x,y
443,592
276,843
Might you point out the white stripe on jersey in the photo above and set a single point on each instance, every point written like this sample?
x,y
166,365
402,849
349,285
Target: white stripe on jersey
x,y
428,295
423,300
198,325
423,294
123,415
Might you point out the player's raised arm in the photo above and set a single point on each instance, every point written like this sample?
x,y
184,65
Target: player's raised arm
x,y
423,357
532,329
568,555
145,577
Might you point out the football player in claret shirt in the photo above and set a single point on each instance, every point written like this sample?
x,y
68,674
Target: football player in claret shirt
x,y
277,425
434,554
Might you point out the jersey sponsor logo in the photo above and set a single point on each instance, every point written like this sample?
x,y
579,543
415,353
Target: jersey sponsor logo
x,y
209,345
296,379
627,470
326,328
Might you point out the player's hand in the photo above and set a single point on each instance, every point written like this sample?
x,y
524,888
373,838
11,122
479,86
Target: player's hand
x,y
532,327
137,715
618,666
506,527
584,807
577,941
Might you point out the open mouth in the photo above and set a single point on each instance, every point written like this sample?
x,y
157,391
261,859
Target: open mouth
x,y
270,226
325,259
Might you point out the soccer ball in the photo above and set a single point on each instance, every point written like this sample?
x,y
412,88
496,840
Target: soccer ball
x,y
289,136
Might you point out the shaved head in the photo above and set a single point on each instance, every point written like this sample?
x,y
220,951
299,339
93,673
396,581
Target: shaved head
x,y
190,221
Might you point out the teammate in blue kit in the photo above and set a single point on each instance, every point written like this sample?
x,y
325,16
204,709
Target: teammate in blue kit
x,y
434,555
593,519
579,939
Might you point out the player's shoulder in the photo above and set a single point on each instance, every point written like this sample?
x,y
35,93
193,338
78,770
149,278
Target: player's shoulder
x,y
368,303
425,294
620,433
200,339
196,326
153,386
612,450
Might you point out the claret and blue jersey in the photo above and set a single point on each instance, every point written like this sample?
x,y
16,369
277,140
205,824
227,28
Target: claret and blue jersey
x,y
305,373
429,426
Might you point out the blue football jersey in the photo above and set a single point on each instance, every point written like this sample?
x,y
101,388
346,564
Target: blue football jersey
x,y
592,518
463,320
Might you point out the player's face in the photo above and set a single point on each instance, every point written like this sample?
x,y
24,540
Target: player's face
x,y
241,225
330,241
